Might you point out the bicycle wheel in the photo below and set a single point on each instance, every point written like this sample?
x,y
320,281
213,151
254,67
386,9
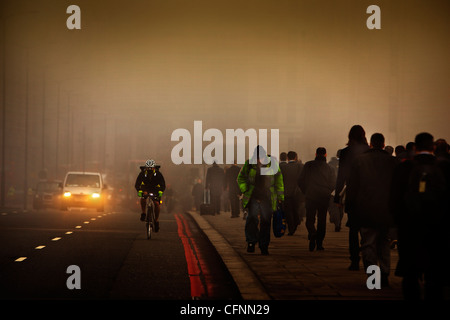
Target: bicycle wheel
x,y
153,221
149,221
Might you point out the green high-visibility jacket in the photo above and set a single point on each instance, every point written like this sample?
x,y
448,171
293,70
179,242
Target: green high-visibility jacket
x,y
246,181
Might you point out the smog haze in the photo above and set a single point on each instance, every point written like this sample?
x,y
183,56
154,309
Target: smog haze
x,y
106,96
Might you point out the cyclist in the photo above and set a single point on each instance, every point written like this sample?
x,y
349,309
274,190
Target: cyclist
x,y
150,180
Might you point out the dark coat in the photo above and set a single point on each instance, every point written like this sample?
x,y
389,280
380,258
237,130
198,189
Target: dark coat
x,y
423,240
368,189
346,158
317,180
291,173
150,182
231,175
215,179
197,192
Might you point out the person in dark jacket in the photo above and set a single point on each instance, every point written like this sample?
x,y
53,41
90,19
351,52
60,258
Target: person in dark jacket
x,y
336,212
357,144
367,203
215,180
234,192
150,180
441,150
317,181
292,193
420,206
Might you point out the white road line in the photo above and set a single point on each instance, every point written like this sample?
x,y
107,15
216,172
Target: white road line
x,y
54,239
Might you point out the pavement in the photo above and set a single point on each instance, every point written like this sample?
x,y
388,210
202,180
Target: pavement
x,y
291,271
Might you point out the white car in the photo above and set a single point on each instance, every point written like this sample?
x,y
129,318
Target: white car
x,y
83,189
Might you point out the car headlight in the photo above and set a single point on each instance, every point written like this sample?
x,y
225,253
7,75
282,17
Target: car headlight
x,y
67,194
96,195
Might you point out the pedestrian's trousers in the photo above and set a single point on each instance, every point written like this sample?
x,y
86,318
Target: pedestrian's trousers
x,y
375,249
292,211
257,226
234,204
319,207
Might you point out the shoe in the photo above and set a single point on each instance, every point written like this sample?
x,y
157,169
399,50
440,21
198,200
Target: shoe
x,y
264,251
251,247
143,216
320,247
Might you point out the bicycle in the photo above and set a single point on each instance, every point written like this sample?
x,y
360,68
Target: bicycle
x,y
150,220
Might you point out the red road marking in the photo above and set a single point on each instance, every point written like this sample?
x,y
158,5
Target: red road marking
x,y
207,276
194,262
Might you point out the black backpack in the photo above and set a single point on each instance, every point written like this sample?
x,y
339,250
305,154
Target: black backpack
x,y
425,197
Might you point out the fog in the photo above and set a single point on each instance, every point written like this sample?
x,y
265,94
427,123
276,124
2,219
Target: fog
x,y
108,96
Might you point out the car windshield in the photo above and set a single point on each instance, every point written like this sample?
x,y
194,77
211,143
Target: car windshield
x,y
47,187
83,180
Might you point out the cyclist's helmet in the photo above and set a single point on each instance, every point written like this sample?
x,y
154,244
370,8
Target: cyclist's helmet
x,y
150,163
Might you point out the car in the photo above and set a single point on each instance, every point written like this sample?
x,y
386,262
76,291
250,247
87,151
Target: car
x,y
47,194
83,189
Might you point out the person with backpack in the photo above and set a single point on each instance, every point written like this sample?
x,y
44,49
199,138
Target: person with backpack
x,y
367,203
420,208
150,180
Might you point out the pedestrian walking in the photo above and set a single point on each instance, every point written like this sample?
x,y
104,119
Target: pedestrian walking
x,y
262,193
389,149
420,207
215,178
283,159
357,144
336,212
367,202
232,187
292,193
441,150
317,181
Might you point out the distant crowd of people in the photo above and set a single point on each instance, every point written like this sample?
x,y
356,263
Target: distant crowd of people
x,y
392,196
